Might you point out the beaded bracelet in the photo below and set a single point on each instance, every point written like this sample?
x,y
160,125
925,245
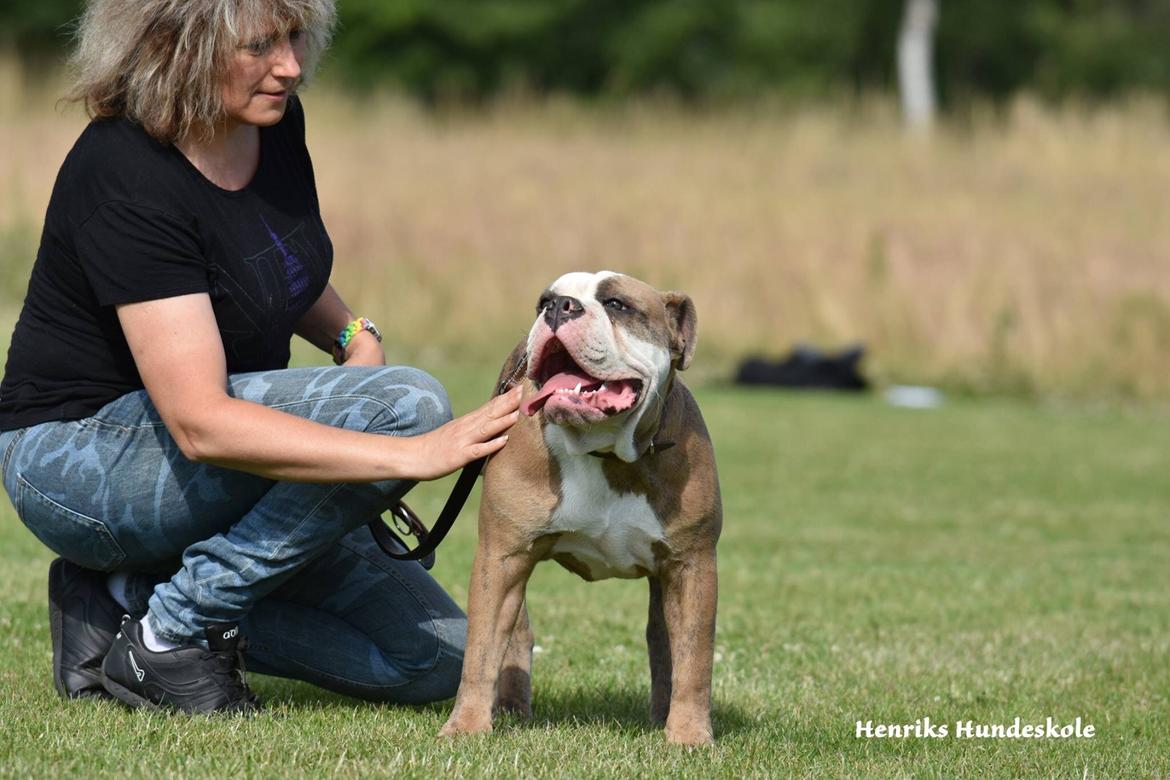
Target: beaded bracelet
x,y
347,334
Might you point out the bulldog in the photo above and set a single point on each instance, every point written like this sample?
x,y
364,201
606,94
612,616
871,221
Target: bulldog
x,y
609,472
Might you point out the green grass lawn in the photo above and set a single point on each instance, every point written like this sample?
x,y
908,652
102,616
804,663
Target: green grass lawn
x,y
982,561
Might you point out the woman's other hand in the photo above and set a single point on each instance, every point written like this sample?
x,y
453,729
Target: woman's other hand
x,y
467,438
364,350
325,319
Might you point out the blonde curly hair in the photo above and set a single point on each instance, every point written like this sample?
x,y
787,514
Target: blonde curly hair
x,y
162,63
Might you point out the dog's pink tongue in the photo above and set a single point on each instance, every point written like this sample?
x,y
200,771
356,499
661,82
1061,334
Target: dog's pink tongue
x,y
561,381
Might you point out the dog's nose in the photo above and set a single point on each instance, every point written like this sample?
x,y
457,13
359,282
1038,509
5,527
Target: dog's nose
x,y
562,309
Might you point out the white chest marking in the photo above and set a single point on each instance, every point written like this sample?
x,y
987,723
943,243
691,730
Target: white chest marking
x,y
611,533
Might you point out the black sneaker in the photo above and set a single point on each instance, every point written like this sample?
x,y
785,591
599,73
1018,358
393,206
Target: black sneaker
x,y
187,678
83,618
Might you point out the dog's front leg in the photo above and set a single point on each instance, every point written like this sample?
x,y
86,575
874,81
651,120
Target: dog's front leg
x,y
690,592
495,596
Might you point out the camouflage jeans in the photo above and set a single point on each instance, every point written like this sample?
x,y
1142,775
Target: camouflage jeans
x,y
292,562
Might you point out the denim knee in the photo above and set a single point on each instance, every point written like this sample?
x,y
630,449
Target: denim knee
x,y
434,672
431,408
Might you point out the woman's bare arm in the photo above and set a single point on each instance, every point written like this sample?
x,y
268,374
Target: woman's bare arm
x,y
176,346
325,319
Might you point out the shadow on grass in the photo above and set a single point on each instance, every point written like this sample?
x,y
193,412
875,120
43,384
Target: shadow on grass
x,y
280,692
624,711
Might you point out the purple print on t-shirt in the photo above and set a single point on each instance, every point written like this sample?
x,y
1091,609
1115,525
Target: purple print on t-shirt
x,y
295,276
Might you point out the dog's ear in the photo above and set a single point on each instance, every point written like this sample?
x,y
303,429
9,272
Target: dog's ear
x,y
683,324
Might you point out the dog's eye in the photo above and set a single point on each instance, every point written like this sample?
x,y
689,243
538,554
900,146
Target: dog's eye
x,y
617,304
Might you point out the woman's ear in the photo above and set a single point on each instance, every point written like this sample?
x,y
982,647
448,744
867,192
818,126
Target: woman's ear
x,y
680,317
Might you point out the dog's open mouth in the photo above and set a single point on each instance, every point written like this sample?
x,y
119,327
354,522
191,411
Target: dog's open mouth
x,y
562,383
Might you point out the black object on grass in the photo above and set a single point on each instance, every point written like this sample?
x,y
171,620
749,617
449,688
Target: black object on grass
x,y
808,368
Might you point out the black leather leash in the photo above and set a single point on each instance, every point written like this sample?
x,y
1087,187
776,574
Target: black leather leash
x,y
407,522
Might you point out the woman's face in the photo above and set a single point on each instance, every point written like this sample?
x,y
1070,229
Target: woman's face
x,y
263,73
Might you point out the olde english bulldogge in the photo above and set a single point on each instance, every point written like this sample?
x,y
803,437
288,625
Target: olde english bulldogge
x,y
611,473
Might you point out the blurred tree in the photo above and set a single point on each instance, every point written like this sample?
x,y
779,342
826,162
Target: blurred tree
x,y
38,26
702,50
916,63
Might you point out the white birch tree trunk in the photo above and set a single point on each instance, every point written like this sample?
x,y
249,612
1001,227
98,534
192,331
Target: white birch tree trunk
x,y
916,63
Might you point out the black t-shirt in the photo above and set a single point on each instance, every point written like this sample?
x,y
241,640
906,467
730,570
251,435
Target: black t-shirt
x,y
131,220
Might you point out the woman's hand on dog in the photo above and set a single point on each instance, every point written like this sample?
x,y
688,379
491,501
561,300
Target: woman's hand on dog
x,y
467,438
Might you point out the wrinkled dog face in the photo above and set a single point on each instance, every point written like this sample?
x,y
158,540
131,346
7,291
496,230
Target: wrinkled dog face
x,y
601,352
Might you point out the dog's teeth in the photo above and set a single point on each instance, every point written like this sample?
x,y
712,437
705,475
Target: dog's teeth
x,y
602,388
577,389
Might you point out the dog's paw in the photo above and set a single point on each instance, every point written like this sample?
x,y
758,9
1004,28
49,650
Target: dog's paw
x,y
517,707
459,725
695,732
515,693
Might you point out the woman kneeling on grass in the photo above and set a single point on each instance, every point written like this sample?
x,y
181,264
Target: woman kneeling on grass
x,y
153,436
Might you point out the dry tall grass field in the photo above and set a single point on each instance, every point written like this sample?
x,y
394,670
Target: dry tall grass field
x,y
1026,251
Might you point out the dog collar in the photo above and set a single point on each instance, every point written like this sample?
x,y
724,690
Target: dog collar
x,y
654,448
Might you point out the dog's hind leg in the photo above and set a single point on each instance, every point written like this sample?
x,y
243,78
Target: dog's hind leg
x,y
515,688
658,643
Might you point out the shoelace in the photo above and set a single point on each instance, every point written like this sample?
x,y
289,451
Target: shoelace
x,y
231,666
